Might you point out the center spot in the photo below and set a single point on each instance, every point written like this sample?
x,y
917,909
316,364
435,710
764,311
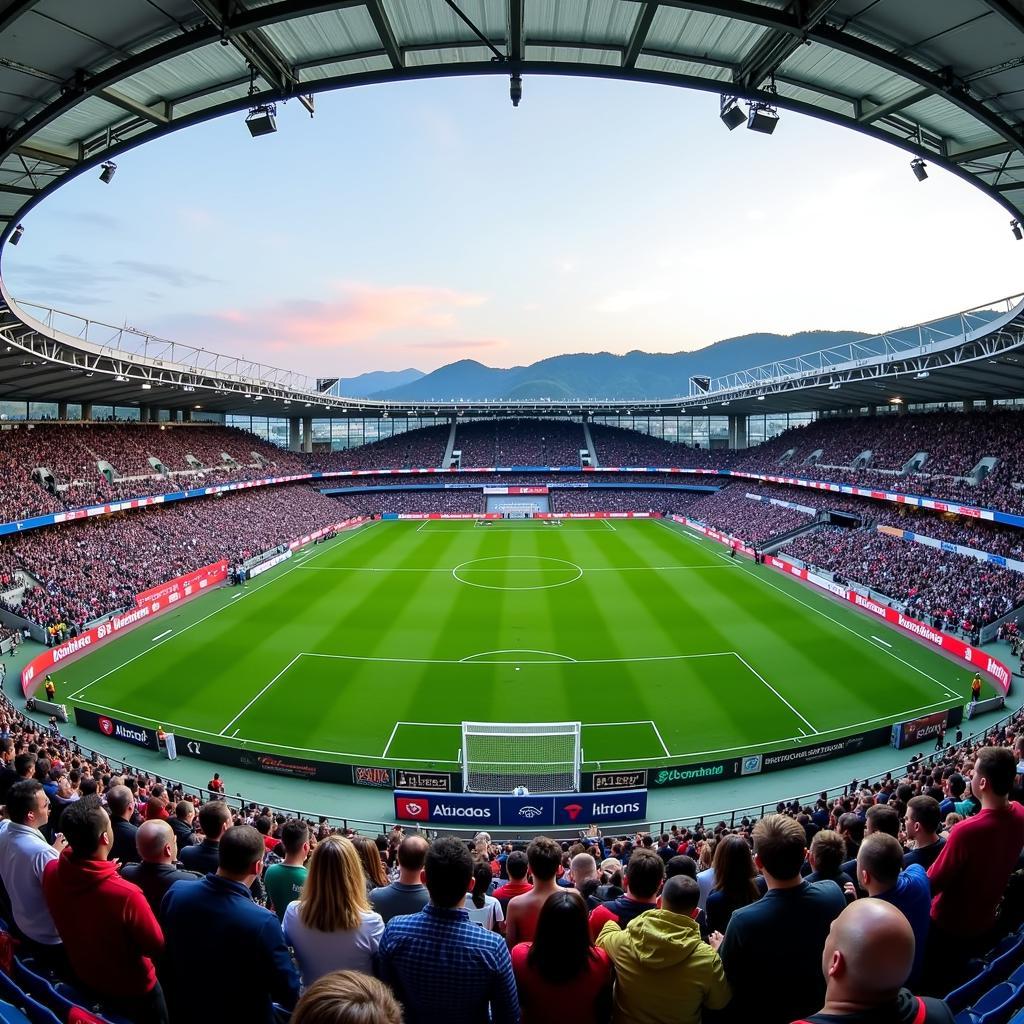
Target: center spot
x,y
517,572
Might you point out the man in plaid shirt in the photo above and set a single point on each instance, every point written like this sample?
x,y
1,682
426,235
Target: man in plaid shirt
x,y
442,966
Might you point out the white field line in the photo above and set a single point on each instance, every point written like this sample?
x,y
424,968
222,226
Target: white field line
x,y
387,746
608,568
260,694
518,650
609,524
561,659
750,668
657,732
160,636
247,593
879,640
270,745
817,611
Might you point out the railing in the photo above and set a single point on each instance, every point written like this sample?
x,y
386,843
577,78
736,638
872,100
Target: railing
x,y
917,340
375,827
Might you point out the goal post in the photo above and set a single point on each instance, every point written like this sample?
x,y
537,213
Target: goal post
x,y
498,757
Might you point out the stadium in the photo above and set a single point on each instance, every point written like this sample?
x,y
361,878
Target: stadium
x,y
603,620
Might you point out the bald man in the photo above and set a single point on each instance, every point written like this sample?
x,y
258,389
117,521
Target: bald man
x,y
158,870
868,956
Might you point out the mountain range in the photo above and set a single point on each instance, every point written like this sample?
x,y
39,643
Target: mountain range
x,y
601,375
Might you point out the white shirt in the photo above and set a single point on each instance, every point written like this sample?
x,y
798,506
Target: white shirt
x,y
486,916
319,953
24,853
706,880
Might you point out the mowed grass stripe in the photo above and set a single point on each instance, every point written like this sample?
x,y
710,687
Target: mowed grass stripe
x,y
207,674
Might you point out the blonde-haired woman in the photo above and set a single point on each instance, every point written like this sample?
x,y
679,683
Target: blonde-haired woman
x,y
332,927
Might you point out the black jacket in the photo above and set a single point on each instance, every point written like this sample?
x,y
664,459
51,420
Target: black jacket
x,y
155,879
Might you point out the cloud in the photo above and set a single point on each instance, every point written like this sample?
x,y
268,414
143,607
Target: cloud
x,y
357,320
64,280
178,277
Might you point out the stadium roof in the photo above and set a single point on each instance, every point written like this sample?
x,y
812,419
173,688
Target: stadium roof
x,y
81,82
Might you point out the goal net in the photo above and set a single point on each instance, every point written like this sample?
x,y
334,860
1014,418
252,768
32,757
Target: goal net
x,y
499,757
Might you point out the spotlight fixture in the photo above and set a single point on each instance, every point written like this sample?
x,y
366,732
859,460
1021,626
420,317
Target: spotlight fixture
x,y
262,120
1015,228
107,172
760,398
923,375
763,118
147,387
920,168
833,387
121,379
16,234
515,88
732,113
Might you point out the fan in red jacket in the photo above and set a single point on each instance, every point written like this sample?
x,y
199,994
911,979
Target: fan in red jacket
x,y
108,929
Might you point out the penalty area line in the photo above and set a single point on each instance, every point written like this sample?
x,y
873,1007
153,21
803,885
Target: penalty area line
x,y
258,695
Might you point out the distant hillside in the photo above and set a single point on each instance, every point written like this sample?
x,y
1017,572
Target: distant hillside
x,y
377,380
602,375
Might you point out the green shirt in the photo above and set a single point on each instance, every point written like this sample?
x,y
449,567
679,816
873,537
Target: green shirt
x,y
284,884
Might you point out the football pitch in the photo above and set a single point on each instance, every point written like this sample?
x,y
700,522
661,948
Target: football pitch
x,y
375,646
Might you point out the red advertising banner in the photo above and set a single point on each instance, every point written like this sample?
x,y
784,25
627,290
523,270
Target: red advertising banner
x,y
187,585
973,656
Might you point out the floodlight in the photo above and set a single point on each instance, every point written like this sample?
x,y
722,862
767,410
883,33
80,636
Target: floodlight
x,y
923,375
732,113
107,172
1015,228
920,168
16,235
262,120
515,88
763,118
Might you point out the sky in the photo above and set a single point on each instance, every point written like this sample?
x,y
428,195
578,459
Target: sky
x,y
417,223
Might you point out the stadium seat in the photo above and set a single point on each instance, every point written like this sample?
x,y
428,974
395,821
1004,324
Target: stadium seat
x,y
994,1007
70,994
281,1015
12,1015
962,997
37,1013
1007,955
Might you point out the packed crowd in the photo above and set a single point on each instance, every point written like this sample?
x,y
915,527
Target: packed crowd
x,y
954,442
375,503
621,499
617,446
519,442
939,586
863,903
420,448
102,563
756,522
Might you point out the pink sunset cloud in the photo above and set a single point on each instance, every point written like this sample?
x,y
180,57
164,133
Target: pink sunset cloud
x,y
359,323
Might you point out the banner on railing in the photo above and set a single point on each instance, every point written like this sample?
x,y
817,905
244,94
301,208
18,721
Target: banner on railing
x,y
187,585
528,812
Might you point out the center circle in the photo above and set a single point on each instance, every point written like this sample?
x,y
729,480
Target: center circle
x,y
517,572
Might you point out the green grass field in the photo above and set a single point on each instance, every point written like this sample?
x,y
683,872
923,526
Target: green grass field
x,y
378,644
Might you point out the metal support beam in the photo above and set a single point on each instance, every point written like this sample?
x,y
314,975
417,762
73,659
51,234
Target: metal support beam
x,y
965,156
638,36
387,34
17,190
139,109
62,156
775,47
884,109
516,47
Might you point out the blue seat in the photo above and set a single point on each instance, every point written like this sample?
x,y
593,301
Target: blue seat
x,y
12,1015
1007,955
27,975
281,1015
962,997
72,995
37,1013
1017,977
1018,1017
996,1005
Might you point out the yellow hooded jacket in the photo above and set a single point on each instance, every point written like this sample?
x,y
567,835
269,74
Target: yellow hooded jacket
x,y
664,971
